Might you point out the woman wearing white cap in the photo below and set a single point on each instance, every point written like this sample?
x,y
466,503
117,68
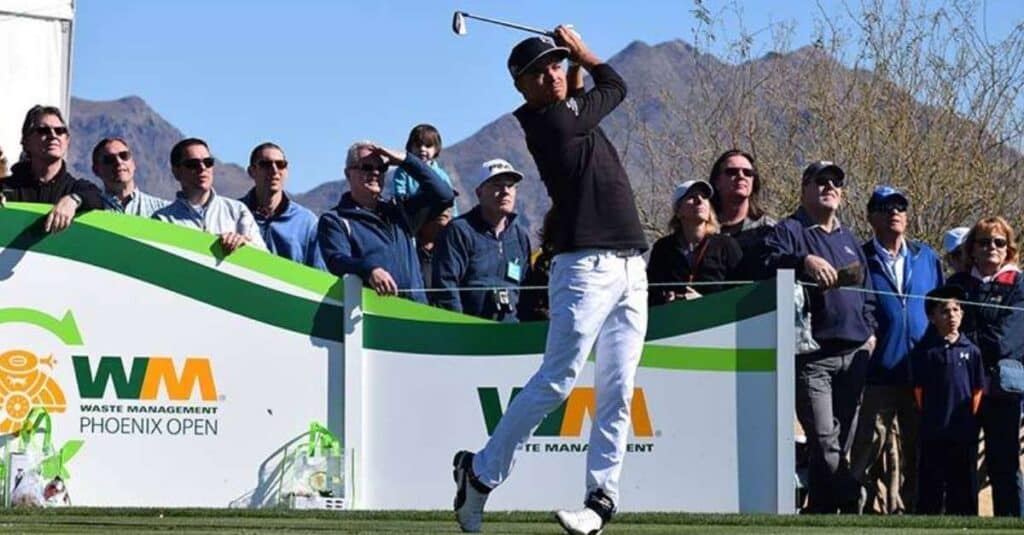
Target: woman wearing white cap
x,y
695,251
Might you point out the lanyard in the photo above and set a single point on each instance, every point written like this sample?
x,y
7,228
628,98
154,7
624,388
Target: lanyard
x,y
699,259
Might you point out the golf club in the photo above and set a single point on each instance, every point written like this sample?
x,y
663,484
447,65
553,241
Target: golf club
x,y
459,24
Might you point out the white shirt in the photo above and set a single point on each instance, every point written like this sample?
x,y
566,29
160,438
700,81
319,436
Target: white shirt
x,y
893,264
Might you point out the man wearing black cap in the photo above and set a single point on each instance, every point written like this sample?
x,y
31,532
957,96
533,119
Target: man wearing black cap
x,y
598,286
829,381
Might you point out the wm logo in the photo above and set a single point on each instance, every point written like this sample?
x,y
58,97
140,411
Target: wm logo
x,y
567,420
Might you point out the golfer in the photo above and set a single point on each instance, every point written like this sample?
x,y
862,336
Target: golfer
x,y
598,287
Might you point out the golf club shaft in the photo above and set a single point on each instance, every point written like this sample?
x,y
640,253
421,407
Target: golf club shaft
x,y
508,24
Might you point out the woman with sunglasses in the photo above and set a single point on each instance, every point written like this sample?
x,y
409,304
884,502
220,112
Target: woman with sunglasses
x,y
42,177
737,204
695,251
993,278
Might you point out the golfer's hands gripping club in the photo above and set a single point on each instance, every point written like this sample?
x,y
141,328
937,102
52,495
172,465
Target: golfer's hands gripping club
x,y
578,52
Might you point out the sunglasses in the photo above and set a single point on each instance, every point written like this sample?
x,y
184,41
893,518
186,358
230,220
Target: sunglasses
x,y
369,168
889,208
197,164
270,164
999,243
733,172
825,179
50,130
112,159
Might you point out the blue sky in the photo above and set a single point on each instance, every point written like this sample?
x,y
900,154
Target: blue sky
x,y
316,75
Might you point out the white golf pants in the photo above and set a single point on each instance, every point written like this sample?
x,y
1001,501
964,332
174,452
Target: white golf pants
x,y
596,297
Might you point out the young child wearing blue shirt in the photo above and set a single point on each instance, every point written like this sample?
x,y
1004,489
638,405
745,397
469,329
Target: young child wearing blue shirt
x,y
947,375
425,142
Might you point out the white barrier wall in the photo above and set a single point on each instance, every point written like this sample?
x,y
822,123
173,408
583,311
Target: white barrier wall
x,y
185,375
711,420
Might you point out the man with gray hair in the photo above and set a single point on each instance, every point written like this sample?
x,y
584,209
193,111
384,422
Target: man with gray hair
x,y
113,163
372,238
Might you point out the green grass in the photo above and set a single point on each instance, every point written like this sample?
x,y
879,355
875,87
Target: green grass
x,y
225,521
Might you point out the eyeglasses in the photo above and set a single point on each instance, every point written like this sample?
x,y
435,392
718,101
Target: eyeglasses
x,y
825,179
889,208
269,164
50,130
998,243
369,168
197,164
733,172
111,159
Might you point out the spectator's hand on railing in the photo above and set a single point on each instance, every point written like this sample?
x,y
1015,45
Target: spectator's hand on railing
x,y
381,281
821,271
62,214
3,200
691,294
232,241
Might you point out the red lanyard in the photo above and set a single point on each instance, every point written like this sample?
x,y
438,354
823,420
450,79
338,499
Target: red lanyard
x,y
700,258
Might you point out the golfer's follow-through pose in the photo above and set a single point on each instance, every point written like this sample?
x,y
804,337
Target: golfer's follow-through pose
x,y
598,286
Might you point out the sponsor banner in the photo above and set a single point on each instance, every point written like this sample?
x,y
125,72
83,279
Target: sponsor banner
x,y
705,422
184,378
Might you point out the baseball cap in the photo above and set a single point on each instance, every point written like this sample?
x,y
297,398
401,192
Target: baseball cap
x,y
886,193
822,166
954,238
497,167
530,51
948,291
685,187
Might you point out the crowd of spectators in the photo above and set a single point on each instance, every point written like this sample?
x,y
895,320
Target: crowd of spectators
x,y
912,347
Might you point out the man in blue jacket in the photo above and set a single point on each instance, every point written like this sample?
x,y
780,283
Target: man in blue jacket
x,y
903,270
288,228
486,248
372,238
829,381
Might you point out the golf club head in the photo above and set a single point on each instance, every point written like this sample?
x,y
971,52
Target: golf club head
x,y
459,23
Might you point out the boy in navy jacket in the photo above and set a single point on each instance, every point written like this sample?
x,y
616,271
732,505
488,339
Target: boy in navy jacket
x,y
948,380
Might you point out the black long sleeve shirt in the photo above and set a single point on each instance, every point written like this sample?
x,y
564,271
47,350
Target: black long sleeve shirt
x,y
22,187
590,192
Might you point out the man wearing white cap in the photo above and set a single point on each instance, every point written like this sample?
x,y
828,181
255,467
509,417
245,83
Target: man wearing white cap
x,y
486,248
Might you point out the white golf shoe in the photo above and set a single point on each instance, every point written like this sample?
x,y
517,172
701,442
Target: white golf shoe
x,y
470,494
586,521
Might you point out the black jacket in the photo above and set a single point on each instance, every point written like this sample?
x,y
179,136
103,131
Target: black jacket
x,y
998,332
591,197
21,186
720,261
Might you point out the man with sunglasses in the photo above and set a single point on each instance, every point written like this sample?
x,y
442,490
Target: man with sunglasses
x,y
112,162
373,238
198,206
598,284
903,270
829,381
43,177
288,228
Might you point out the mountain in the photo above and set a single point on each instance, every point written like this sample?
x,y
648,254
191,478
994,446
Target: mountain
x,y
150,137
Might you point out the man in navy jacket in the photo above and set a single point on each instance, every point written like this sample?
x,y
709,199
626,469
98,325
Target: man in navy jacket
x,y
486,248
374,239
829,381
904,270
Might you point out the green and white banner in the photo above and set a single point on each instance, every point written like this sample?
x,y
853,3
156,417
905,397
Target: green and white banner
x,y
711,416
186,374
189,377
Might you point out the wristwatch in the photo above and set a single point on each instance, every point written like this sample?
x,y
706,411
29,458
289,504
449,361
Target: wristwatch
x,y
77,198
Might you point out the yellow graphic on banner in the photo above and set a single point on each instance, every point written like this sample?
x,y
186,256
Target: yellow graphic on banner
x,y
24,385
